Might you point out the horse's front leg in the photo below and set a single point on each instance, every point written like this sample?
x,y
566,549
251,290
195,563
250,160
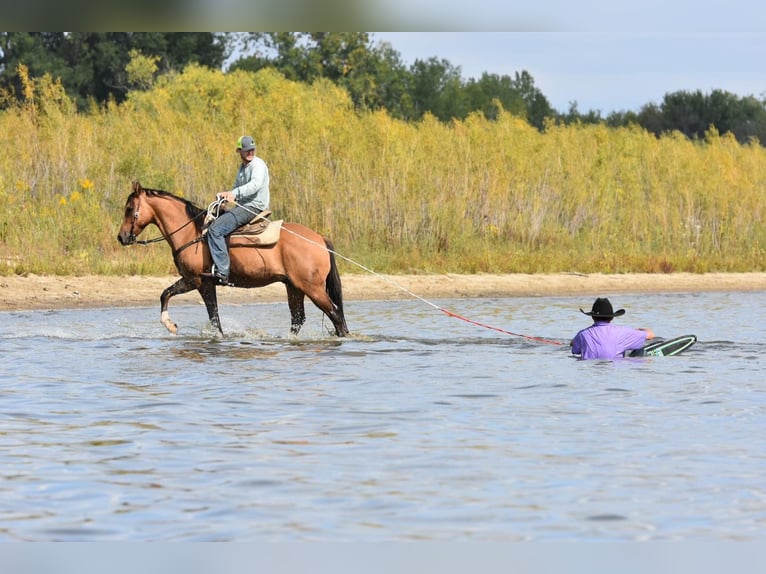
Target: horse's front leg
x,y
210,297
178,288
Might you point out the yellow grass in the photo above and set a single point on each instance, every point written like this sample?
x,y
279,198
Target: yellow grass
x,y
470,196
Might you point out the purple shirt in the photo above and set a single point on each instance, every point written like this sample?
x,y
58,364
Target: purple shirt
x,y
603,340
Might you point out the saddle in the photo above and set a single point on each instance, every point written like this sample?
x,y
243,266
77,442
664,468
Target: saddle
x,y
256,225
259,231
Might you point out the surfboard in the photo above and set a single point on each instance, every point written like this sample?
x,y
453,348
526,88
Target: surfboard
x,y
665,347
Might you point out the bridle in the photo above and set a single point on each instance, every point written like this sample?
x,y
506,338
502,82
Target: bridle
x,y
132,237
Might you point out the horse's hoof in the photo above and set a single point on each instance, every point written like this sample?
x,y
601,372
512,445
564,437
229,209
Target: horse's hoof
x,y
171,327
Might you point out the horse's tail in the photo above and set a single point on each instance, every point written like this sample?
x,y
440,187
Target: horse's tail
x,y
333,285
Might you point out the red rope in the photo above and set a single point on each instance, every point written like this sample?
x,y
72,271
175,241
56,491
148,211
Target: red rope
x,y
538,339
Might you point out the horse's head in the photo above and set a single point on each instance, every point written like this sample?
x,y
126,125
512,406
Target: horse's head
x,y
135,218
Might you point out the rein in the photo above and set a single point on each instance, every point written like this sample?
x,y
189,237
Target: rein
x,y
162,238
169,235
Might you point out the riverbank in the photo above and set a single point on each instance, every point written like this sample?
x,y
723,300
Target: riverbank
x,y
33,292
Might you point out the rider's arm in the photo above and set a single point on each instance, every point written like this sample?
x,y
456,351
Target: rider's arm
x,y
256,191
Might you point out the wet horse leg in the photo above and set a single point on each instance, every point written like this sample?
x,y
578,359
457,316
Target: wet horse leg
x,y
295,298
178,288
331,311
322,300
210,297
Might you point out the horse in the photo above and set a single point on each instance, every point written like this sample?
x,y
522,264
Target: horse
x,y
302,259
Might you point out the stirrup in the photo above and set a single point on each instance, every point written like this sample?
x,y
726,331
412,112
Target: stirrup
x,y
219,279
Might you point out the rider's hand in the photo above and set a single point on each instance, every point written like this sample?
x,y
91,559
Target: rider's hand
x,y
227,195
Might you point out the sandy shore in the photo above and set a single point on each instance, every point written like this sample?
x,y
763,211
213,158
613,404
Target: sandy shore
x,y
54,292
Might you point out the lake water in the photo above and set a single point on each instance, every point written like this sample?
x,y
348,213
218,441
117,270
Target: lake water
x,y
420,426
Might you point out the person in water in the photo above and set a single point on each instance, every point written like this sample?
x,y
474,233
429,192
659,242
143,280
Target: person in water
x,y
603,340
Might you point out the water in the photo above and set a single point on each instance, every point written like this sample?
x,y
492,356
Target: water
x,y
420,426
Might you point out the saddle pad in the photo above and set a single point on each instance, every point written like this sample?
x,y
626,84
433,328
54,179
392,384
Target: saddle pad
x,y
268,236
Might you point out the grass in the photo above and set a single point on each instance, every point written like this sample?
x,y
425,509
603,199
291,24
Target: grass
x,y
465,197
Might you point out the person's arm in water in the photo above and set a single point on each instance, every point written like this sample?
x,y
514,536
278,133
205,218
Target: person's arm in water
x,y
649,333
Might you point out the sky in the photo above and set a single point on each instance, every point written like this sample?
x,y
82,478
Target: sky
x,y
602,71
603,55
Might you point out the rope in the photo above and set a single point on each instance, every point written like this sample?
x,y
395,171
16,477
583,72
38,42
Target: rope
x,y
415,295
172,233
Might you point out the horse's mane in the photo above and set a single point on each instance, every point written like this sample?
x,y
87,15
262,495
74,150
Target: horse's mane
x,y
191,210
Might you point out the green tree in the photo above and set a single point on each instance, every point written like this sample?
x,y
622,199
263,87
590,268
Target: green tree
x,y
437,88
40,52
694,113
373,75
517,95
388,84
91,65
538,106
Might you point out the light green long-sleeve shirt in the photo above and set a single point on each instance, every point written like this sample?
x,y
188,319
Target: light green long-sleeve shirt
x,y
251,188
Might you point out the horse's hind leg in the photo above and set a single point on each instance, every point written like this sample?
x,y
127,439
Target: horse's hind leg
x,y
178,288
322,300
295,298
338,321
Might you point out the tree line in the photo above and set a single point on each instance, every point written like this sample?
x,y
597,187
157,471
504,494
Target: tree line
x,y
96,67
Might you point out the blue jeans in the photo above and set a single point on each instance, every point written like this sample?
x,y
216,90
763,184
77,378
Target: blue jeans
x,y
222,227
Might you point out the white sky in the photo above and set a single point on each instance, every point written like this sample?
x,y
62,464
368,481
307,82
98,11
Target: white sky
x,y
609,71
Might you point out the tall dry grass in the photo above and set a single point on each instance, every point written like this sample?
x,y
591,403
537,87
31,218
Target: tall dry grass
x,y
470,196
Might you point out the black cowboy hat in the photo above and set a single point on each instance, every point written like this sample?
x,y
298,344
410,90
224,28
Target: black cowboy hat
x,y
602,309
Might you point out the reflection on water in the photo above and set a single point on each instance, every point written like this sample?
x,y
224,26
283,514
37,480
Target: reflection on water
x,y
200,354
419,426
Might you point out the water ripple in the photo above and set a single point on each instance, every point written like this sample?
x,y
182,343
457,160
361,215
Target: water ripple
x,y
418,427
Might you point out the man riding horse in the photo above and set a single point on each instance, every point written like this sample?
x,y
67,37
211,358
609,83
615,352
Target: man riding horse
x,y
251,196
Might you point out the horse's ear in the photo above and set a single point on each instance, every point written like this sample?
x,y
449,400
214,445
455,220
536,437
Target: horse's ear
x,y
136,186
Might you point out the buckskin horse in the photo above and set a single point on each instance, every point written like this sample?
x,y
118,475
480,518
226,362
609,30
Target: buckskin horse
x,y
302,259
